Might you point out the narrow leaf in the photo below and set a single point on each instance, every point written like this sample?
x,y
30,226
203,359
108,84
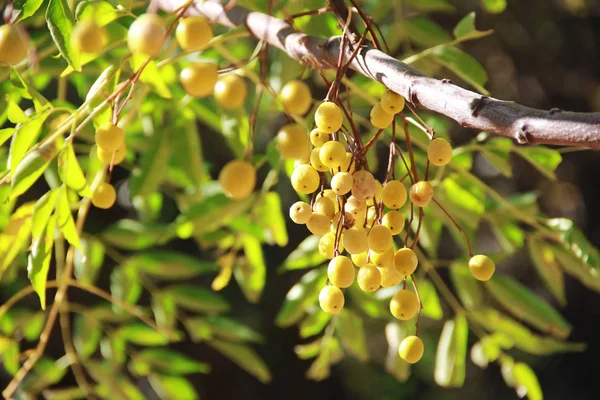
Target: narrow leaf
x,y
542,158
244,357
39,260
306,255
271,218
197,298
463,65
300,296
251,275
452,353
60,23
65,221
351,332
547,266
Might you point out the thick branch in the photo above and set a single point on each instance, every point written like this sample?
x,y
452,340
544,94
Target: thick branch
x,y
469,109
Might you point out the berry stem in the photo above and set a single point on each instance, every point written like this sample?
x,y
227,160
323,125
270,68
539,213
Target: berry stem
x,y
414,283
460,228
411,154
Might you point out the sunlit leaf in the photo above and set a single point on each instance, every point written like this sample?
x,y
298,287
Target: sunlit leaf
x,y
196,298
102,12
65,221
134,235
467,288
394,364
60,23
431,302
29,7
494,6
15,235
526,382
452,353
306,255
150,76
314,323
542,158
463,65
300,296
71,172
547,266
170,265
426,33
42,210
25,136
39,260
465,29
166,361
86,335
244,357
351,332
252,274
88,261
172,387
125,285
271,218
142,335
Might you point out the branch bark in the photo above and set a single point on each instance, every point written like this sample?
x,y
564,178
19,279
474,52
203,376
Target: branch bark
x,y
524,124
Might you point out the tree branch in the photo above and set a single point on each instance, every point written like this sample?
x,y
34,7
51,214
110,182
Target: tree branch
x,y
524,124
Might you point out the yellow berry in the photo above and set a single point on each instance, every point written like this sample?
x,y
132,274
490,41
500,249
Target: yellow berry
x,y
355,240
300,212
390,277
348,165
89,37
406,261
331,299
111,157
482,267
199,79
110,137
383,260
104,196
332,154
315,160
360,259
324,205
354,206
331,195
231,91
341,272
238,179
295,97
371,215
364,185
404,305
346,223
305,179
439,152
394,194
392,102
380,239
327,247
380,119
421,193
13,48
146,35
328,117
318,138
342,183
369,278
377,196
394,220
193,33
318,224
411,349
293,142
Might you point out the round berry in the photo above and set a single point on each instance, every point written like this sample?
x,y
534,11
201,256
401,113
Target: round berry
x,y
342,183
238,179
327,247
193,33
300,212
354,206
394,194
393,220
346,223
371,215
377,196
305,179
318,224
369,278
355,240
199,79
331,195
110,137
421,193
439,152
331,299
104,196
295,97
392,102
146,35
341,272
324,205
482,267
390,277
13,48
115,157
348,165
315,160
380,238
406,261
328,117
404,305
88,37
383,260
318,138
411,349
360,259
364,185
380,119
293,142
231,91
332,154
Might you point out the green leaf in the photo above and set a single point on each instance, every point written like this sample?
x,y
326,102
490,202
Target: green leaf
x,y
112,382
197,298
497,151
244,357
40,103
102,12
125,286
66,224
525,305
463,65
186,150
71,173
510,236
88,262
166,361
86,335
451,353
351,332
27,9
467,288
15,114
42,211
30,169
16,235
494,6
300,296
133,235
141,335
270,217
25,136
68,393
146,178
164,309
170,265
394,364
431,5
526,381
5,134
547,266
306,255
252,274
466,30
10,356
150,76
431,302
314,323
39,261
60,23
172,387
45,373
542,158
426,33
230,329
329,353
